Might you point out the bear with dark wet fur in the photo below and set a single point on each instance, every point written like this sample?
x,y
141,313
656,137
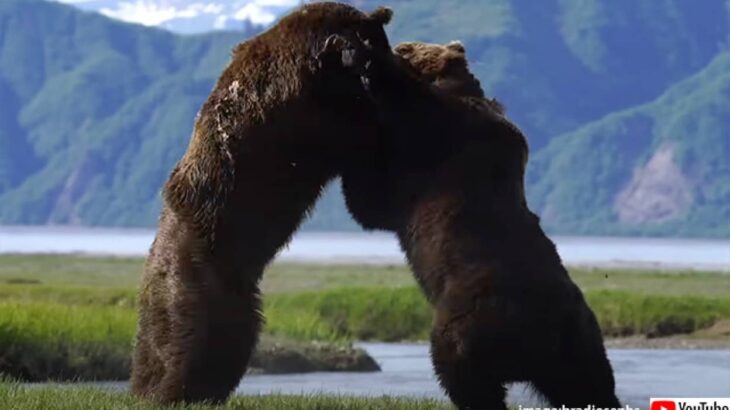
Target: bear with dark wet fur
x,y
448,179
285,116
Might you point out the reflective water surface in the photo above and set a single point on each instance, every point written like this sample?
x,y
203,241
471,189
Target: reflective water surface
x,y
639,374
406,371
378,248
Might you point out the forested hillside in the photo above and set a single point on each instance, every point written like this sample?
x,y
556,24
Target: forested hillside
x,y
661,168
626,104
94,112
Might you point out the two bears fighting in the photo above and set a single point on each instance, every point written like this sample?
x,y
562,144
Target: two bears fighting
x,y
421,152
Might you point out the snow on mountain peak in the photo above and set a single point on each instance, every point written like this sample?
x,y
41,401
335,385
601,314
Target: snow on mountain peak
x,y
190,16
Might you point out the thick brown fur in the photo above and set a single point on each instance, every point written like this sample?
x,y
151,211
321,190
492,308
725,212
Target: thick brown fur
x,y
449,182
281,121
446,68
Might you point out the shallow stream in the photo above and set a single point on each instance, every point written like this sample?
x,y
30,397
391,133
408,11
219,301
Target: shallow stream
x,y
406,371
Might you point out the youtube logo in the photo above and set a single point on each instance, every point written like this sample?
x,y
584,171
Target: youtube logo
x,y
663,405
704,403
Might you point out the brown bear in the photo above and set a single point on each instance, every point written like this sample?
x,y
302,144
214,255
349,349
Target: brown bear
x,y
283,118
449,182
367,184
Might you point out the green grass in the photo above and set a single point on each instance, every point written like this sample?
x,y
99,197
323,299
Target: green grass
x,y
76,270
357,313
70,270
653,282
45,340
336,302
69,295
403,314
50,340
61,397
622,313
337,315
111,272
68,316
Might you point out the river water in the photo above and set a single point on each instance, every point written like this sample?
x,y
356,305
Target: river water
x,y
640,374
380,248
406,371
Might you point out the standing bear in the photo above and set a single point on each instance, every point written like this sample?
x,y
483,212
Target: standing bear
x,y
448,179
285,116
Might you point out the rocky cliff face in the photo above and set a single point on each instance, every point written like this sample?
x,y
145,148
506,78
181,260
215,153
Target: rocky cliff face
x,y
658,191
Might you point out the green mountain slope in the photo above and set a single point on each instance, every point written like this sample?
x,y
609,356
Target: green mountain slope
x,y
662,168
558,64
94,113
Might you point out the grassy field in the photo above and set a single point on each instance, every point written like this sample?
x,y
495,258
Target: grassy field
x,y
63,397
41,340
109,272
65,316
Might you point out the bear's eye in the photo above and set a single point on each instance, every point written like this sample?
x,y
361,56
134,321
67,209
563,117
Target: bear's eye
x,y
455,62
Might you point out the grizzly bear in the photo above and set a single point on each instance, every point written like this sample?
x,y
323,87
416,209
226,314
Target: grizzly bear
x,y
283,118
449,183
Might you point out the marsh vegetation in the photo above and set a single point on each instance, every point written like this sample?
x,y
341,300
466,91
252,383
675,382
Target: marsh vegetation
x,y
73,317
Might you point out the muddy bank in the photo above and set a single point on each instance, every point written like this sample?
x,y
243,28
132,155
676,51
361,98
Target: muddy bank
x,y
281,357
715,337
272,356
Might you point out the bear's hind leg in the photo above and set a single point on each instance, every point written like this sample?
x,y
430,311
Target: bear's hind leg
x,y
581,374
200,349
466,381
578,385
222,354
199,320
461,358
147,368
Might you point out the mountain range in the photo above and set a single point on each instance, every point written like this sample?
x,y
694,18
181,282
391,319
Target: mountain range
x,y
626,104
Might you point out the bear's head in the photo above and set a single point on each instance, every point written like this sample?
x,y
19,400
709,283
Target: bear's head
x,y
443,65
293,95
446,67
432,113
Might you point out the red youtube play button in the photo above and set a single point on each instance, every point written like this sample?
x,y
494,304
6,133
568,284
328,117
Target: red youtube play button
x,y
663,405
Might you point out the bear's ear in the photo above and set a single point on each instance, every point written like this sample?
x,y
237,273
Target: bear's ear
x,y
456,46
382,15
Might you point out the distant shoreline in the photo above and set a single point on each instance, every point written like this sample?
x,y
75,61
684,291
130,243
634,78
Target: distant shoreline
x,y
380,261
381,249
